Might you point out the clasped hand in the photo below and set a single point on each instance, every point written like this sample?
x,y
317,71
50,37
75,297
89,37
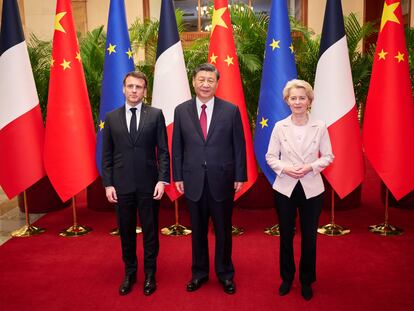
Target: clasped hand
x,y
297,172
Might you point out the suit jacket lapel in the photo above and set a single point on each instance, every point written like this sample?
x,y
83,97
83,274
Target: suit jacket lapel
x,y
192,111
122,120
142,119
215,117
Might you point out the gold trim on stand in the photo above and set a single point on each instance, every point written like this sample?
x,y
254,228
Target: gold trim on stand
x,y
237,230
115,231
176,229
273,230
75,230
385,229
27,230
333,229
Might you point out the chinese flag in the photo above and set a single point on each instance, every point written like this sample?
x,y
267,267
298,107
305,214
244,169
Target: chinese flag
x,y
222,53
70,135
388,130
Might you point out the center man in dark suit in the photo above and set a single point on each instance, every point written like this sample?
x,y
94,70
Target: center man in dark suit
x,y
209,166
135,168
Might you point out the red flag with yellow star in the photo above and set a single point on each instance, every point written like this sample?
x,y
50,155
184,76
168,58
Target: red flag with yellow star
x,y
69,153
222,53
388,129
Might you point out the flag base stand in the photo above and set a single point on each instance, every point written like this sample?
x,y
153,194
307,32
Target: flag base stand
x,y
115,231
75,230
385,229
273,230
176,230
333,230
27,231
236,230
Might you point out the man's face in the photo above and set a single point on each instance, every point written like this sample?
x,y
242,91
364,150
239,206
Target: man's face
x,y
205,85
135,90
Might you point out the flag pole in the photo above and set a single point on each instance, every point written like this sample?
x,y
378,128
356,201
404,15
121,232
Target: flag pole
x,y
385,229
75,230
332,229
27,230
176,229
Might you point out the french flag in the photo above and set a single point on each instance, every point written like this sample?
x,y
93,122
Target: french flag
x,y
171,86
335,103
21,124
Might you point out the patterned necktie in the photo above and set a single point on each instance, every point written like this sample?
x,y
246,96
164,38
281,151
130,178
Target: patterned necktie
x,y
133,124
203,120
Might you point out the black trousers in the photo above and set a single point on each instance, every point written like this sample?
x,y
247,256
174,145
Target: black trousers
x,y
309,212
148,209
220,213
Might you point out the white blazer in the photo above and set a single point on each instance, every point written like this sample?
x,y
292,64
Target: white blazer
x,y
317,152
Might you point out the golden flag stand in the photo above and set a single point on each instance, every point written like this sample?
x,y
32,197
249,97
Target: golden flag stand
x,y
332,229
385,229
273,230
75,230
115,231
27,230
176,229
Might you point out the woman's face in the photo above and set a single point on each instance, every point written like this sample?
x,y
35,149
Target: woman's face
x,y
298,101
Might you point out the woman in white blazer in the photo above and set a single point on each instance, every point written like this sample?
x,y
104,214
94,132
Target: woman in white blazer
x,y
299,149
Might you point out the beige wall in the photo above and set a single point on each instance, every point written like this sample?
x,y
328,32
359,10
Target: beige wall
x,y
98,12
316,12
155,8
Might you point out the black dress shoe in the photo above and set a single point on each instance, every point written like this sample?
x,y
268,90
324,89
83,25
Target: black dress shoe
x,y
228,286
149,285
307,292
195,284
127,284
284,288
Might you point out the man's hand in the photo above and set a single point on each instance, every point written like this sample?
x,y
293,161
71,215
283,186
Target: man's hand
x,y
238,185
180,186
159,190
111,194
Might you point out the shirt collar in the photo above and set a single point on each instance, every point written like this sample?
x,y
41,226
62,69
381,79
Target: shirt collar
x,y
209,104
127,107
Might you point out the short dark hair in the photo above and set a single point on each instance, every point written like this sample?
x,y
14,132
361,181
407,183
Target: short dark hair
x,y
206,67
136,74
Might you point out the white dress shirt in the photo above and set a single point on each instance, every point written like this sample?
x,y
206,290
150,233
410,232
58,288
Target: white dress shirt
x,y
209,110
128,113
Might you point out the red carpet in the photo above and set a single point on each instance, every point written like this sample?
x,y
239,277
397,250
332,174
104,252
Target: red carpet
x,y
360,271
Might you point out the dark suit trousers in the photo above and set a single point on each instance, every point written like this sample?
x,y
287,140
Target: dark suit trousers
x,y
148,208
220,213
309,211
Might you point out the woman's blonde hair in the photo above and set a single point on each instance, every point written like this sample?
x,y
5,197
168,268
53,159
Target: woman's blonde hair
x,y
296,83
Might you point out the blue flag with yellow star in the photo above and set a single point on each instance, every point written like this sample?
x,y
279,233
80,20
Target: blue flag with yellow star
x,y
278,68
118,62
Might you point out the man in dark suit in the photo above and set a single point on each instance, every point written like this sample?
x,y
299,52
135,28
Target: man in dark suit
x,y
135,168
209,166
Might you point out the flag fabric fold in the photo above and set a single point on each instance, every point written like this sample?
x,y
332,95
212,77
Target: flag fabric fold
x,y
335,102
171,86
21,124
118,62
278,68
388,128
222,54
69,153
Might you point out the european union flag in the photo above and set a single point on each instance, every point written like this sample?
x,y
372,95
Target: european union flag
x,y
278,68
118,62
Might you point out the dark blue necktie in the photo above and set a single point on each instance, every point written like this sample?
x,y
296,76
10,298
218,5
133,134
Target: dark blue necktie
x,y
133,124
